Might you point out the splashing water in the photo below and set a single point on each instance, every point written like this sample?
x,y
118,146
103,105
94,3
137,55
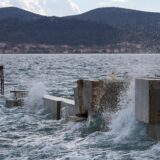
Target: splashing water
x,y
29,135
123,122
34,100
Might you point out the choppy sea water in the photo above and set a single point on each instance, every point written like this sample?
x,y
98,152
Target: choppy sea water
x,y
29,133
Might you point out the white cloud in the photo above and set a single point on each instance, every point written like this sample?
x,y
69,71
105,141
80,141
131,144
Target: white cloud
x,y
33,6
5,3
44,7
74,6
103,4
119,1
30,5
60,7
111,2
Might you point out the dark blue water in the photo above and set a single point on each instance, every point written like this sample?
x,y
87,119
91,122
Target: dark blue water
x,y
30,133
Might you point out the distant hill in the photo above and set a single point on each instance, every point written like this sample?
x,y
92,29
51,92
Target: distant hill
x,y
13,12
100,27
123,18
60,31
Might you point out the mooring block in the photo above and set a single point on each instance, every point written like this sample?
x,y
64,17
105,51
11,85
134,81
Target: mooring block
x,y
147,100
97,95
56,104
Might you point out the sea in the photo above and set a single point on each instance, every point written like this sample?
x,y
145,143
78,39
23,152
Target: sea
x,y
30,133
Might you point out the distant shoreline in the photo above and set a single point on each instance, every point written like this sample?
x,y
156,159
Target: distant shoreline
x,y
76,53
119,48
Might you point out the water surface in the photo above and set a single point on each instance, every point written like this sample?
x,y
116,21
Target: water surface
x,y
30,133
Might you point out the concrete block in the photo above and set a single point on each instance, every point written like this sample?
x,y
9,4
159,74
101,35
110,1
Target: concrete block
x,y
11,103
19,93
17,99
153,131
57,104
67,109
97,95
147,100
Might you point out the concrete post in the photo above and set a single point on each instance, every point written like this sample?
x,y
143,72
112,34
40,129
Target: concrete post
x,y
147,100
1,80
147,104
56,104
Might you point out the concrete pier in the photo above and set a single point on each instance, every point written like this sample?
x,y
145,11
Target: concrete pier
x,y
97,95
147,100
1,80
147,105
56,105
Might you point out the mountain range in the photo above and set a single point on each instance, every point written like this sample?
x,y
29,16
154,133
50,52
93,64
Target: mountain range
x,y
99,28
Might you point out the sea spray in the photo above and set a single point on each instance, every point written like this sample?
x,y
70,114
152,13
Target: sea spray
x,y
109,104
34,101
123,122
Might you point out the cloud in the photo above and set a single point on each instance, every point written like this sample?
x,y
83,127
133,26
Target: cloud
x,y
111,3
74,6
30,5
45,7
4,3
119,1
33,6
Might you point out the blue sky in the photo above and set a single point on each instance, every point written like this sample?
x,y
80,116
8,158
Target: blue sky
x,y
70,7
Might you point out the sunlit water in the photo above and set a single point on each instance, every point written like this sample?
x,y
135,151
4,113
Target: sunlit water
x,y
29,133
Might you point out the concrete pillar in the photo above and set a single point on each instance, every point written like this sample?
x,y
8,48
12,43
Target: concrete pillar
x,y
97,95
147,100
147,105
1,80
56,104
